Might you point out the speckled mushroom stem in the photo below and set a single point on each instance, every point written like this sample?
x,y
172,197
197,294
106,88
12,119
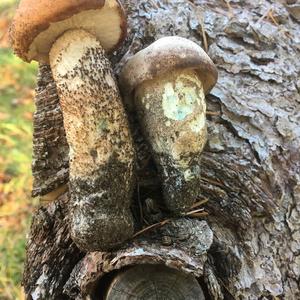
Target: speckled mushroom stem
x,y
172,110
101,149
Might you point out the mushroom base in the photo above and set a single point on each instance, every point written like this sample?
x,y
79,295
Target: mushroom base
x,y
101,148
172,111
100,218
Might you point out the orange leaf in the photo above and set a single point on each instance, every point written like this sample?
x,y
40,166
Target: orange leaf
x,y
4,36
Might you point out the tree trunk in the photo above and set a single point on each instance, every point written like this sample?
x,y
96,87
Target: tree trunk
x,y
248,247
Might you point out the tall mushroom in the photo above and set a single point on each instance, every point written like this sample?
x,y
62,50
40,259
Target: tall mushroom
x,y
73,36
168,82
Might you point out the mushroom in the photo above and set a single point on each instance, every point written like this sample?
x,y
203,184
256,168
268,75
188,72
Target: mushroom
x,y
73,36
167,83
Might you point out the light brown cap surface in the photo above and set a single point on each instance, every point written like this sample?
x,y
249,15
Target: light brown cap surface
x,y
38,23
165,55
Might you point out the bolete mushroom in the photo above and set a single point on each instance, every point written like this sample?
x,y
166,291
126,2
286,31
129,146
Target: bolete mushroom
x,y
73,36
168,82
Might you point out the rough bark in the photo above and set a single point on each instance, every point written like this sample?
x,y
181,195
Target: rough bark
x,y
50,164
51,253
180,245
250,166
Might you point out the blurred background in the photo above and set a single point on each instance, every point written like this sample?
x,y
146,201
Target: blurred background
x,y
17,83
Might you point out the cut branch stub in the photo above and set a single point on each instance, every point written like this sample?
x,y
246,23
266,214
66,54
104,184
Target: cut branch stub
x,y
154,282
101,149
187,253
168,82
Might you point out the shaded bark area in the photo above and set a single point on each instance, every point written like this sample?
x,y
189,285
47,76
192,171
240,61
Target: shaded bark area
x,y
51,253
182,244
50,164
250,166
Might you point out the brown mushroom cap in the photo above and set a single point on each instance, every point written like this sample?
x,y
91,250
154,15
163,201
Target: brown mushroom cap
x,y
38,23
165,55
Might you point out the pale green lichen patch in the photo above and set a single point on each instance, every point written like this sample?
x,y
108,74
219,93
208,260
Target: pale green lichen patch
x,y
180,101
198,123
102,125
188,175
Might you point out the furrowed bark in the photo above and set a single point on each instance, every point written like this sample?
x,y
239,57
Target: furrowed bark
x,y
250,166
51,253
181,244
50,163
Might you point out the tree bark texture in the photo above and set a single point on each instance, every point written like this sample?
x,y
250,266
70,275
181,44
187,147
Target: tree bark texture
x,y
50,165
248,247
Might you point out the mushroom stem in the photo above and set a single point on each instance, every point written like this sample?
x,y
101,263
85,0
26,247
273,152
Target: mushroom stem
x,y
101,149
172,109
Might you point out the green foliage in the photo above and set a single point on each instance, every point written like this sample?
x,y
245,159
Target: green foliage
x,y
7,4
17,81
12,245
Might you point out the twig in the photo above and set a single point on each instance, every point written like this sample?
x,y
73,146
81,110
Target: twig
x,y
213,113
160,224
199,203
194,214
231,14
199,215
145,221
203,33
212,181
200,19
270,15
281,29
263,16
